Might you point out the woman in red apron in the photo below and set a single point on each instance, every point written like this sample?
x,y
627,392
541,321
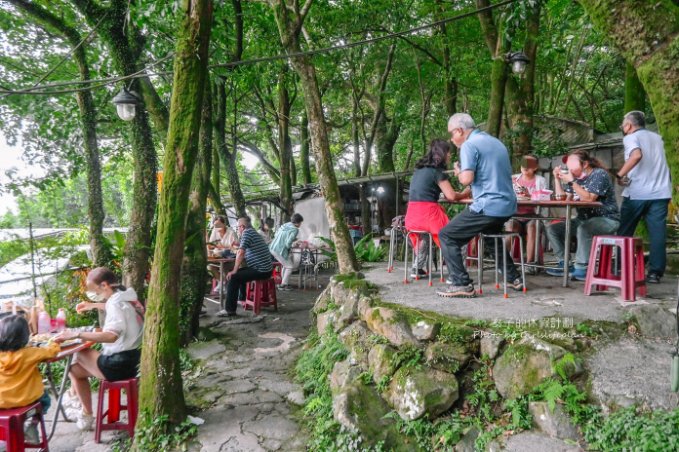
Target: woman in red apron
x,y
424,212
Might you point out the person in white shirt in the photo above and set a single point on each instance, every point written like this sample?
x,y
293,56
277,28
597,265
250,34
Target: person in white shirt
x,y
120,337
648,189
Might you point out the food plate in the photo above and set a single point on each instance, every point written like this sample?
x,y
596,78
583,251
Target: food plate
x,y
42,339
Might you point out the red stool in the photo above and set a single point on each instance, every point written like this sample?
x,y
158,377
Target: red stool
x,y
260,293
632,272
12,428
277,273
114,407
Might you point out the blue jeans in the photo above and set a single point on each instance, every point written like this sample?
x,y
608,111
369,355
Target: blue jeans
x,y
583,230
655,213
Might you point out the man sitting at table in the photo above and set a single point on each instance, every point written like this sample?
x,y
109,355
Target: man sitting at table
x,y
255,253
120,337
484,164
586,180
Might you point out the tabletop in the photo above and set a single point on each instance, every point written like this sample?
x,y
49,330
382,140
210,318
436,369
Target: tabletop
x,y
71,349
538,203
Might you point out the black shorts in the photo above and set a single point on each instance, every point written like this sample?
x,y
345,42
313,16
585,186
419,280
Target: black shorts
x,y
119,366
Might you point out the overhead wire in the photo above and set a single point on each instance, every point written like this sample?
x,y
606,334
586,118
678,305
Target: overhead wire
x,y
98,83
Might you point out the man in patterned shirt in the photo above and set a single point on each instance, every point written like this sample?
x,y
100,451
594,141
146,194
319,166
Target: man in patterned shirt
x,y
254,251
587,180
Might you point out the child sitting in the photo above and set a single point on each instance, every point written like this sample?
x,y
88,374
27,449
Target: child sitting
x,y
525,183
20,379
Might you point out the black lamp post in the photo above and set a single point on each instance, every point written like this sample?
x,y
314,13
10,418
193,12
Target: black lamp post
x,y
126,104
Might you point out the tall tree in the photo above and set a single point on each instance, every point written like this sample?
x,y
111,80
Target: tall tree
x,y
125,43
290,19
635,96
161,392
647,35
88,122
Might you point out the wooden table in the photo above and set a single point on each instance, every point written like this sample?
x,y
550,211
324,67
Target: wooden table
x,y
567,203
221,263
66,353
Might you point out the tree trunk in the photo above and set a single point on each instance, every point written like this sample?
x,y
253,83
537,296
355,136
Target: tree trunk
x,y
284,145
520,94
228,158
647,35
385,140
101,254
635,96
194,265
304,150
124,43
290,29
161,393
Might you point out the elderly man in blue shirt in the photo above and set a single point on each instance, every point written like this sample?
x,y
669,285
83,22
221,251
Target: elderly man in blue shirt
x,y
484,164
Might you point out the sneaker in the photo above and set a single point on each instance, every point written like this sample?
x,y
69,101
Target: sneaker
x,y
31,435
653,278
419,273
530,270
453,291
285,287
224,313
517,285
84,421
558,270
579,273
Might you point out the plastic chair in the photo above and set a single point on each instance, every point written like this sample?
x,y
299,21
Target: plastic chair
x,y
12,428
632,269
431,258
260,293
112,414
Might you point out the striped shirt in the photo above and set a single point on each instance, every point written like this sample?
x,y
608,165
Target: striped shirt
x,y
257,255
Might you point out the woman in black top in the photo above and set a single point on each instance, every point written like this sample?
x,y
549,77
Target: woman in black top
x,y
424,212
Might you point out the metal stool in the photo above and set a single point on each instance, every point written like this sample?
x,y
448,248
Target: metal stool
x,y
500,237
393,245
430,267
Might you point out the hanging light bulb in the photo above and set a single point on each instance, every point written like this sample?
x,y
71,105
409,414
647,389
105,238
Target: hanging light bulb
x,y
518,61
126,104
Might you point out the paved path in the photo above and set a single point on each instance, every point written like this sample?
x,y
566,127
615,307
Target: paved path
x,y
246,384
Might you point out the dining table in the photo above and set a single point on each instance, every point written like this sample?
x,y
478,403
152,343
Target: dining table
x,y
59,388
222,263
539,204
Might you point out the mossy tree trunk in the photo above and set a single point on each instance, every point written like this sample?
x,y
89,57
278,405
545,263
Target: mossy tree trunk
x,y
194,265
161,392
284,144
88,119
520,94
304,150
635,95
289,19
124,43
228,157
498,47
647,35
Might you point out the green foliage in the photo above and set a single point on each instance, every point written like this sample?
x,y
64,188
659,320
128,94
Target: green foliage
x,y
160,435
366,251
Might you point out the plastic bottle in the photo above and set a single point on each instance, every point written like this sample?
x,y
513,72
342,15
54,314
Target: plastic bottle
x,y
44,322
61,320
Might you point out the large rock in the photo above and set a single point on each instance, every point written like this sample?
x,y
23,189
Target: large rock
x,y
325,319
446,357
390,324
360,409
341,294
468,441
324,299
382,361
414,393
555,423
490,344
425,330
524,365
356,338
348,312
655,321
364,303
343,373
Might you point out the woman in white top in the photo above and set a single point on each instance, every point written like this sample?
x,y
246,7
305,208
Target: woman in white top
x,y
120,337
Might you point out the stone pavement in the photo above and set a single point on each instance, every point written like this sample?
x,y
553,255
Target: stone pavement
x,y
246,388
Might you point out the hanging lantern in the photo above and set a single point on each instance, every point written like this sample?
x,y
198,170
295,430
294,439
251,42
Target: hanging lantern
x,y
518,61
126,104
